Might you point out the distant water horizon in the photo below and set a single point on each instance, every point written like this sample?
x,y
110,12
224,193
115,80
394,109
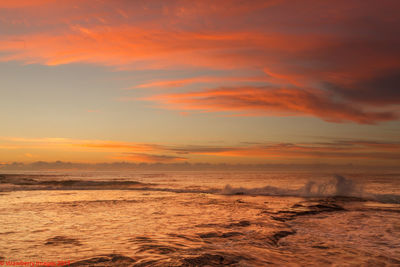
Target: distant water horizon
x,y
66,166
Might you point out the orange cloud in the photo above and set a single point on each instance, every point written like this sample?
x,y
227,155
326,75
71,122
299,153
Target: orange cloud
x,y
135,47
75,144
107,145
141,157
273,101
290,79
142,152
343,65
187,81
24,3
334,150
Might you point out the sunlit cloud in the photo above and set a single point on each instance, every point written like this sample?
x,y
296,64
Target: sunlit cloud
x,y
333,150
143,152
141,157
112,145
257,101
187,81
74,144
24,3
338,62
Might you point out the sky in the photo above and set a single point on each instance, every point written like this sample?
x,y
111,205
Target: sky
x,y
229,81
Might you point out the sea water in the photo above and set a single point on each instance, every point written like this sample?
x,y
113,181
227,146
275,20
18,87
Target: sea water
x,y
241,218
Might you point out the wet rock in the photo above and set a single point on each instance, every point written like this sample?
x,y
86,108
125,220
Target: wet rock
x,y
209,235
141,239
208,225
320,247
106,260
281,219
302,210
147,263
210,260
160,249
297,205
326,207
240,224
279,235
62,240
223,235
183,237
230,234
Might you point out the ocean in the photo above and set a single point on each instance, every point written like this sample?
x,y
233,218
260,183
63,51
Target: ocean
x,y
194,218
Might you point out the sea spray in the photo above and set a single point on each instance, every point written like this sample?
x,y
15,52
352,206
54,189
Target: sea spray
x,y
337,186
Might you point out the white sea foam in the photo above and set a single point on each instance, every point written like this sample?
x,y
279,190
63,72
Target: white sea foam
x,y
337,186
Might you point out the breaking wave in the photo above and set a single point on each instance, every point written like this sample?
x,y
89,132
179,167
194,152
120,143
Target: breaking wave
x,y
338,186
34,182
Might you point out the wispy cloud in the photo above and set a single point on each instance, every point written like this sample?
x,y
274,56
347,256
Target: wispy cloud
x,y
257,101
333,150
187,81
142,152
142,157
342,60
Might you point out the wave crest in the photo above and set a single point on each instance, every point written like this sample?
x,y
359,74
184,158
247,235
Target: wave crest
x,y
338,186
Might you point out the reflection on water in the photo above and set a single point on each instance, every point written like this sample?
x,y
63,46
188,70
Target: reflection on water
x,y
194,219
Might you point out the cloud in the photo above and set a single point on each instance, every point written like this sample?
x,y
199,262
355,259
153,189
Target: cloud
x,y
24,3
133,47
75,144
142,152
113,145
165,34
366,144
272,101
141,157
352,149
187,81
380,90
341,59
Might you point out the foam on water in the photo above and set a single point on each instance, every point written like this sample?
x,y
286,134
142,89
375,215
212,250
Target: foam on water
x,y
338,186
191,219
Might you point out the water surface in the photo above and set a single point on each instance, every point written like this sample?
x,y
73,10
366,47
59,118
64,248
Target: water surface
x,y
201,218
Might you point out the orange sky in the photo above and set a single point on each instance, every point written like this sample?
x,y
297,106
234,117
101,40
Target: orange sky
x,y
200,81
